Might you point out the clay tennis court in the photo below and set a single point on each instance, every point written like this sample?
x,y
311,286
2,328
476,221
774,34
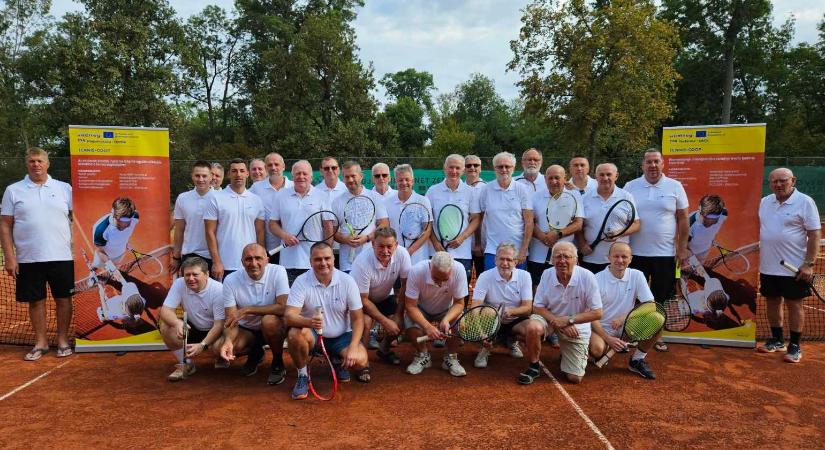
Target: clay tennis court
x,y
704,398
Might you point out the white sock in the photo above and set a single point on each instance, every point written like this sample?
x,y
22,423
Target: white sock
x,y
178,354
638,355
424,354
303,371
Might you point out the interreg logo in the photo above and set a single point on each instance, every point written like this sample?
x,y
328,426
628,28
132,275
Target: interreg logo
x,y
702,133
108,134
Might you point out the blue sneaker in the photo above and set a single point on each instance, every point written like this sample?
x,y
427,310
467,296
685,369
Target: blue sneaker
x,y
301,388
340,372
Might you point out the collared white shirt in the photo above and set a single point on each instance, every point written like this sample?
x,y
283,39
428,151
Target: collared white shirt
x,y
338,208
385,195
539,252
783,231
267,193
581,295
595,208
700,237
619,295
536,185
494,290
236,215
337,300
503,213
113,241
189,207
202,308
466,199
376,280
292,209
331,193
656,206
433,298
42,219
592,184
241,291
394,207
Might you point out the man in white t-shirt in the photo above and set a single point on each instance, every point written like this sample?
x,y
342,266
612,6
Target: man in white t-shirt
x,y
789,230
36,235
332,187
381,276
290,210
201,298
217,176
620,287
419,248
233,218
507,211
381,180
568,299
472,168
435,293
353,178
531,161
254,300
257,170
596,205
580,179
341,322
267,189
190,238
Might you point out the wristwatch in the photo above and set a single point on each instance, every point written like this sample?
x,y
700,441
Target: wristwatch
x,y
204,345
570,320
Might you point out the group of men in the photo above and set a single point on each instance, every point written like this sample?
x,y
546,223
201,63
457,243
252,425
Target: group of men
x,y
239,299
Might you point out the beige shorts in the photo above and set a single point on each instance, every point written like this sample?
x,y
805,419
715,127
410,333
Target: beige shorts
x,y
573,354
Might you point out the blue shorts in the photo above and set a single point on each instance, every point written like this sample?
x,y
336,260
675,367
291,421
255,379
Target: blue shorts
x,y
490,262
334,345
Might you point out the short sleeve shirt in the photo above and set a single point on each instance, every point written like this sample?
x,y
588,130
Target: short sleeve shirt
x,y
267,193
42,226
202,308
783,229
656,206
291,210
236,215
580,295
595,208
433,298
337,300
113,241
394,207
241,291
701,237
619,295
189,207
338,206
503,213
464,196
494,290
539,252
374,279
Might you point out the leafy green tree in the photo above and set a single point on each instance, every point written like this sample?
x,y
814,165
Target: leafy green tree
x,y
410,83
408,118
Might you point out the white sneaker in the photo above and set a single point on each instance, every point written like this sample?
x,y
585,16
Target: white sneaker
x,y
481,358
419,363
182,371
451,363
515,350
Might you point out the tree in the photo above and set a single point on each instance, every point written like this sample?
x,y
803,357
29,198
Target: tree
x,y
408,118
410,83
604,73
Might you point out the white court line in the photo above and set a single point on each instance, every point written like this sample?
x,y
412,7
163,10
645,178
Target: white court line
x,y
814,307
578,409
32,381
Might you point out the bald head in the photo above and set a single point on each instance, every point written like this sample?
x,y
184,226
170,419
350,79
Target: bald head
x,y
555,177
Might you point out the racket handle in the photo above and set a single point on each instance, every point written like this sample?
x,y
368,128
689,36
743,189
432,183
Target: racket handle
x,y
603,360
276,249
422,339
789,266
319,312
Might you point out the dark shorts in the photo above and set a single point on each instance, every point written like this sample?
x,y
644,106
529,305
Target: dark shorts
x,y
490,262
334,345
478,265
196,335
595,268
292,274
226,273
535,270
192,255
275,259
506,329
388,306
779,286
661,271
33,277
257,334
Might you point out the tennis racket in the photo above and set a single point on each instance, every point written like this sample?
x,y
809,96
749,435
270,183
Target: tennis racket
x,y
319,226
642,323
618,219
185,337
450,223
734,261
677,314
318,384
359,213
561,211
715,297
148,264
817,284
413,222
479,323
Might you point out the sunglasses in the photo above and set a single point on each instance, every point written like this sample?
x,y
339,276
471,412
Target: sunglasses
x,y
500,167
330,168
380,175
470,166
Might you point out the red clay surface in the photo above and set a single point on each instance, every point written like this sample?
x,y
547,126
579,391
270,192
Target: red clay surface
x,y
704,398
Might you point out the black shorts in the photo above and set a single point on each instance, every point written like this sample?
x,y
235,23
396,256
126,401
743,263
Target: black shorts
x,y
32,279
292,274
257,334
275,259
195,335
506,329
780,286
388,306
595,268
535,270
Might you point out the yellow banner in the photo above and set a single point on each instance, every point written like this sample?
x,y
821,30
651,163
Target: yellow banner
x,y
116,141
713,140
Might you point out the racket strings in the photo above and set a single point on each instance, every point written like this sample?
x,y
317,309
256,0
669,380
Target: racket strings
x,y
818,285
644,322
478,325
314,229
412,221
677,314
450,222
359,212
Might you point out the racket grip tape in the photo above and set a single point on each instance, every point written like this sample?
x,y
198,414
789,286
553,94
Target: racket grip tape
x,y
276,250
422,339
789,266
603,360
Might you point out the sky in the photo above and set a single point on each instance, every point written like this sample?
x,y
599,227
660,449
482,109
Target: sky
x,y
453,39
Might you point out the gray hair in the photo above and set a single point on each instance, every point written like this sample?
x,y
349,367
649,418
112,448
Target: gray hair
x,y
611,165
217,165
511,157
254,160
403,168
506,245
564,245
380,166
472,157
302,161
443,261
454,156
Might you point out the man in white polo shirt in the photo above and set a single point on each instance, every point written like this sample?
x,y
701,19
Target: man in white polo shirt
x,y
435,293
418,249
596,205
254,299
353,178
233,218
190,238
453,191
376,273
580,179
217,176
267,189
789,230
507,211
332,187
531,161
342,320
257,170
381,180
35,232
472,166
620,287
290,209
568,299
201,298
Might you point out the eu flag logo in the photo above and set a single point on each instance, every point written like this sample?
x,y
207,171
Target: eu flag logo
x,y
702,133
109,134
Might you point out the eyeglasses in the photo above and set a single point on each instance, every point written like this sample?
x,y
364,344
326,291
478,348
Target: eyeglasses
x,y
470,166
380,175
503,167
329,168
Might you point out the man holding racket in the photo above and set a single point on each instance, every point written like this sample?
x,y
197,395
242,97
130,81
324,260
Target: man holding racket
x,y
381,180
201,298
512,289
254,299
377,273
531,161
290,210
568,299
472,166
435,292
620,287
190,238
267,189
342,321
507,211
410,214
361,211
789,231
580,179
233,219
332,187
454,195
598,203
